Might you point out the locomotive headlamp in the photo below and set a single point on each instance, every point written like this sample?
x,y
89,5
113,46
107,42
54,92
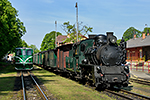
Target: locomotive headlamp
x,y
85,61
113,39
98,68
126,68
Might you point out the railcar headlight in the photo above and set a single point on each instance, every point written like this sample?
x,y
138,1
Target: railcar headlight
x,y
113,39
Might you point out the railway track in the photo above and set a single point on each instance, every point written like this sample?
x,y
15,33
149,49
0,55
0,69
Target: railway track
x,y
140,81
120,93
123,94
30,88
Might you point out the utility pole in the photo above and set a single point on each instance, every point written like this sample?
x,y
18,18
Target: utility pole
x,y
55,34
77,19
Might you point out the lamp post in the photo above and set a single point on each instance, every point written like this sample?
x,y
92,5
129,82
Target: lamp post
x,y
77,19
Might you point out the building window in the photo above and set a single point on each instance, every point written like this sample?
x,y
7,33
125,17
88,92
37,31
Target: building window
x,y
140,53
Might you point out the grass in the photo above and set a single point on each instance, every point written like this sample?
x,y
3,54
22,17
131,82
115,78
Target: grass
x,y
66,89
141,89
7,79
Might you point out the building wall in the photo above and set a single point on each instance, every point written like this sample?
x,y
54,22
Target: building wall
x,y
134,54
138,54
146,53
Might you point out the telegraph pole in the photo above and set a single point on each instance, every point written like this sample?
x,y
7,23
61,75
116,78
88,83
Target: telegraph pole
x,y
55,33
77,19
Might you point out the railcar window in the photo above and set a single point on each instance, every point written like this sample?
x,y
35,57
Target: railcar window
x,y
29,52
24,52
19,52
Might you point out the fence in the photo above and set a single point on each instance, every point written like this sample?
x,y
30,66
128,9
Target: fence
x,y
137,66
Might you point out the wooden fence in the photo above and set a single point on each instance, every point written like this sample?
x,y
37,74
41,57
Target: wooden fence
x,y
140,66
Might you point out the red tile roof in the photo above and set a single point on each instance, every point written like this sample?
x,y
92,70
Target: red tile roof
x,y
61,38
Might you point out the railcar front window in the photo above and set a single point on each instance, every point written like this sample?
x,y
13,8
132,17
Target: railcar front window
x,y
19,52
24,52
29,52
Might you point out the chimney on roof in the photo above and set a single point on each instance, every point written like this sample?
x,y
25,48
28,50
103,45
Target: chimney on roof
x,y
143,35
134,36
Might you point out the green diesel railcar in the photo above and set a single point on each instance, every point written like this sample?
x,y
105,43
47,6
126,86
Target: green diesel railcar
x,y
24,58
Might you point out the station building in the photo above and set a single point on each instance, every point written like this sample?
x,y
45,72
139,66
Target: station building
x,y
138,49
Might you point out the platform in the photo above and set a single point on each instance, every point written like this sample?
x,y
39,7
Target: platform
x,y
140,74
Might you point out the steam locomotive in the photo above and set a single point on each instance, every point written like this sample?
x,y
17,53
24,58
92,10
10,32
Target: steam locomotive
x,y
100,59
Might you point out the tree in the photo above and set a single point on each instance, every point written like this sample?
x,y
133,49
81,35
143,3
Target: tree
x,y
24,44
11,28
34,48
128,34
146,30
71,31
118,41
49,41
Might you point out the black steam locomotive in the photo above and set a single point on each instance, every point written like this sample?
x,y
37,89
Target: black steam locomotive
x,y
99,59
105,62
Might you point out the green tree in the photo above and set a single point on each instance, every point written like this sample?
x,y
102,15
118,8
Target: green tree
x,y
118,41
49,41
35,49
71,31
146,30
128,34
24,44
11,28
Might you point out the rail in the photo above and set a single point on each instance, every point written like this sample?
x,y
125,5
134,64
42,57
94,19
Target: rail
x,y
23,88
38,87
128,95
135,94
140,81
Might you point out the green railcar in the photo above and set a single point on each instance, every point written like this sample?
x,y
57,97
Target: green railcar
x,y
42,58
34,58
24,58
52,58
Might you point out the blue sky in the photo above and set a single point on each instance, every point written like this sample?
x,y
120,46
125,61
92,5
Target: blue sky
x,y
39,16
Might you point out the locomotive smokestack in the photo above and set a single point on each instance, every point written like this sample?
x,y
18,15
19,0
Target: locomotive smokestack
x,y
109,34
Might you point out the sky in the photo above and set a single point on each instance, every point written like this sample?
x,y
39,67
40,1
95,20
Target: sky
x,y
116,16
